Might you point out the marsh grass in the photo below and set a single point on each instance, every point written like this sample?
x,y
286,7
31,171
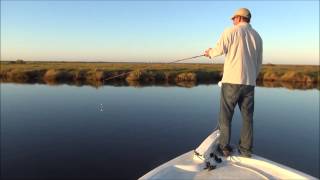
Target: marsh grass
x,y
63,72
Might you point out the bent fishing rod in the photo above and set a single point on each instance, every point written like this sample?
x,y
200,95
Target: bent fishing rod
x,y
175,61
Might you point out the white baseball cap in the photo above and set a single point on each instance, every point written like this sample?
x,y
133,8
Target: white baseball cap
x,y
244,12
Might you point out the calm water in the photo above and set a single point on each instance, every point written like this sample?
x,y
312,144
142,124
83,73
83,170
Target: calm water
x,y
123,132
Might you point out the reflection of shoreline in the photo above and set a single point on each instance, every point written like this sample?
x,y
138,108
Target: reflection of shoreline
x,y
288,85
186,84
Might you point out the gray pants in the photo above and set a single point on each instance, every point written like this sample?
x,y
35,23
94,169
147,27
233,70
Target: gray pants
x,y
231,95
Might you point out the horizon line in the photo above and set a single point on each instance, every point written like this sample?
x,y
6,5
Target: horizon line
x,y
137,62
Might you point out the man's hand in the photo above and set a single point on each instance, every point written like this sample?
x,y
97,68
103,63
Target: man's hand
x,y
206,53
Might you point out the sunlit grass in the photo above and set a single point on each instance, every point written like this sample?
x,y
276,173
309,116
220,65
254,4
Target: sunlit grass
x,y
144,72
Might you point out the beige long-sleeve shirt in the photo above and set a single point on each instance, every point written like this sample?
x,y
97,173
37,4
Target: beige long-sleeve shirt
x,y
242,47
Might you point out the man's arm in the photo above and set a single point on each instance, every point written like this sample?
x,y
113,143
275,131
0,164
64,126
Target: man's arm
x,y
221,46
259,60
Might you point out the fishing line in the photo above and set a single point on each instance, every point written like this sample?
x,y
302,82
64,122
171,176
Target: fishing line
x,y
175,61
126,73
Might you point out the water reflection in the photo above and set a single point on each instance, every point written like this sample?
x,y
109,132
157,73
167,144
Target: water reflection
x,y
288,85
187,84
71,132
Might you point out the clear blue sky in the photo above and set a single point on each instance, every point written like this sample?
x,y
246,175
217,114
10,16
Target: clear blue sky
x,y
152,31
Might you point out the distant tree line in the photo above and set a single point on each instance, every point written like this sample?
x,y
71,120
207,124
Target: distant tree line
x,y
18,61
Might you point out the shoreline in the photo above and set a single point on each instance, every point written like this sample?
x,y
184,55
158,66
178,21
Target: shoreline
x,y
145,73
95,84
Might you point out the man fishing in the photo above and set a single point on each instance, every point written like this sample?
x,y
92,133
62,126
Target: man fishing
x,y
242,47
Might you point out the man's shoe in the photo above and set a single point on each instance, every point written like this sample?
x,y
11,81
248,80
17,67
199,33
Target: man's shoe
x,y
244,154
226,151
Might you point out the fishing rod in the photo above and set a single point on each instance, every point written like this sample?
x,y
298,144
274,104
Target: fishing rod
x,y
175,61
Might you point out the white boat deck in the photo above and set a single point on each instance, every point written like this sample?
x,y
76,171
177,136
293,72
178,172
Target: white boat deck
x,y
233,167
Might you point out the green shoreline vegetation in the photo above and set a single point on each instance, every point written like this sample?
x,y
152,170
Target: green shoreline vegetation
x,y
143,73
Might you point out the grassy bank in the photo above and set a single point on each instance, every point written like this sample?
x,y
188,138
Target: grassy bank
x,y
64,72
